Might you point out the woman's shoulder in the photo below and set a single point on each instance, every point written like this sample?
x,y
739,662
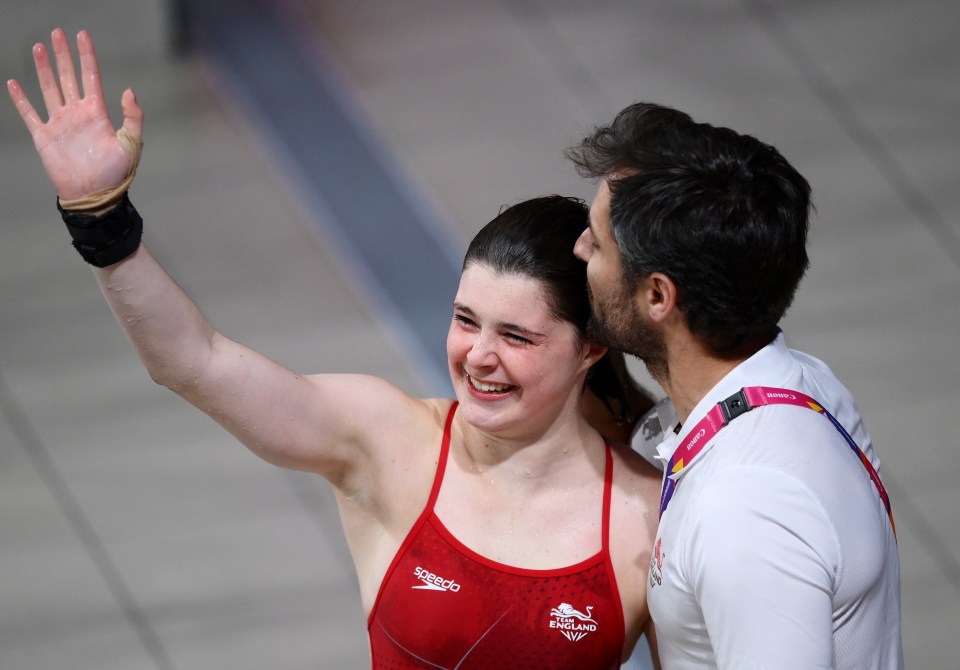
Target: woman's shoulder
x,y
414,426
629,466
377,404
427,420
636,494
405,440
634,513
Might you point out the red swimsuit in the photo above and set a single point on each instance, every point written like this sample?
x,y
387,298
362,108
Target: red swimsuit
x,y
442,605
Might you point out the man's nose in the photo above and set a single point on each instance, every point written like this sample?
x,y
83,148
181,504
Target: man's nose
x,y
582,247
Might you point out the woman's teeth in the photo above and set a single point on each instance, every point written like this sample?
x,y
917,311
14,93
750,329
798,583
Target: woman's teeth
x,y
490,388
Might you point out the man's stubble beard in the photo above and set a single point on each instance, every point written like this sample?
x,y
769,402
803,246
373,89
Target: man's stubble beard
x,y
617,324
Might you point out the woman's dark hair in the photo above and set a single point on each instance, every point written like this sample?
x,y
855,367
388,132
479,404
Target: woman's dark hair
x,y
535,239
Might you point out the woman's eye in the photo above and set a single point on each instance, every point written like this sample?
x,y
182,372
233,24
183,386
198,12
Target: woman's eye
x,y
517,338
462,320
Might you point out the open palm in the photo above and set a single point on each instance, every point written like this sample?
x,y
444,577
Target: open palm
x,y
78,145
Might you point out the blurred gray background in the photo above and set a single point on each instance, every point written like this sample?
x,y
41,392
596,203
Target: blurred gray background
x,y
312,173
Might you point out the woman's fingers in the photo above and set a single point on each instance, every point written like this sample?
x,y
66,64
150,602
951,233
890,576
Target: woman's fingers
x,y
89,68
61,88
132,113
27,112
49,87
68,75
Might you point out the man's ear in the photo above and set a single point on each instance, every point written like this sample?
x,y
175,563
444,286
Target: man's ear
x,y
657,296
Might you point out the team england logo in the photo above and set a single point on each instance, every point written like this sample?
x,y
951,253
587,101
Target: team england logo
x,y
656,564
571,622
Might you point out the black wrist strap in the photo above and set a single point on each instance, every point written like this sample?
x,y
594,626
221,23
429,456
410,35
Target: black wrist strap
x,y
108,238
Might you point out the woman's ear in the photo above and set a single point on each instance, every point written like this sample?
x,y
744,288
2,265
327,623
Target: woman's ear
x,y
592,352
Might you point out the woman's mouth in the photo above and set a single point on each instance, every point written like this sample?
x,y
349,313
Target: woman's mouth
x,y
488,388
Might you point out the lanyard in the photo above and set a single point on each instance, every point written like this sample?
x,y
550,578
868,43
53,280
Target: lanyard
x,y
739,403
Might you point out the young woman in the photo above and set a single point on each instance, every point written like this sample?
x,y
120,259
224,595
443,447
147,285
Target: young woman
x,y
498,527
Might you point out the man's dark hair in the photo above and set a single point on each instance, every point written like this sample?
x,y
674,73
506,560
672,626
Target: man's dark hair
x,y
724,215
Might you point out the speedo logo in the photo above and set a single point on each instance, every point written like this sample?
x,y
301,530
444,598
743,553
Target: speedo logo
x,y
432,582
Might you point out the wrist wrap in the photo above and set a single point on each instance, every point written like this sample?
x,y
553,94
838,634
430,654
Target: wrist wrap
x,y
106,238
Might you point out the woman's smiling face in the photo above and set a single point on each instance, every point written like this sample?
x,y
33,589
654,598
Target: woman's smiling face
x,y
513,364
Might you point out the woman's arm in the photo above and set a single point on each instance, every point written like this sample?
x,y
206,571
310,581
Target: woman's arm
x,y
318,422
321,423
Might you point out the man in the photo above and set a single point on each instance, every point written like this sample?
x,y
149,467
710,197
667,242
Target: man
x,y
776,548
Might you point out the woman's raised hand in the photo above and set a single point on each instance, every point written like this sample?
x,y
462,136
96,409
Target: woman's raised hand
x,y
78,144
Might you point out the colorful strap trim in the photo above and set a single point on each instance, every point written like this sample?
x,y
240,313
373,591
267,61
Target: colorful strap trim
x,y
739,403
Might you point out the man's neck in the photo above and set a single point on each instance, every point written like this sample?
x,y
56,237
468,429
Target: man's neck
x,y
691,379
692,370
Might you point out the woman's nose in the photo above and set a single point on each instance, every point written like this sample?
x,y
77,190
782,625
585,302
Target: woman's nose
x,y
482,354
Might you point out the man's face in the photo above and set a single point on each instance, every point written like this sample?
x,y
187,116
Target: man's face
x,y
615,322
